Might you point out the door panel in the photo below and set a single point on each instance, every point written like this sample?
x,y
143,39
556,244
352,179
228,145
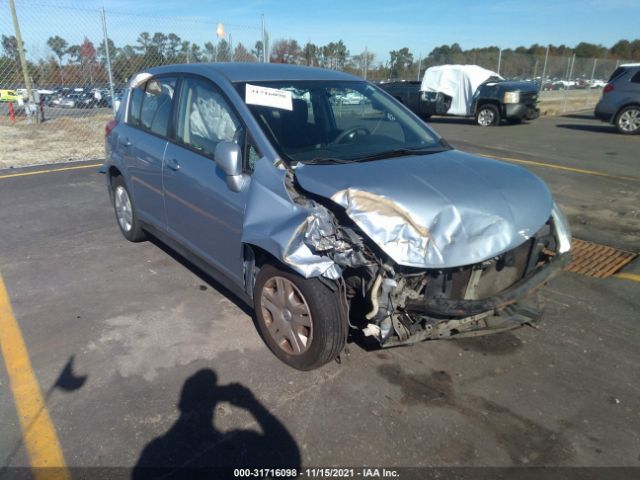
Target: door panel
x,y
202,213
145,172
145,142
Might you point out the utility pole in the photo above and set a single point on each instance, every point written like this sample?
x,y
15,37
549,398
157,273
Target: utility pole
x,y
106,49
419,66
499,60
23,60
366,62
264,40
544,68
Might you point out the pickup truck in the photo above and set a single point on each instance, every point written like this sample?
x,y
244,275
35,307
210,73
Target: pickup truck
x,y
493,100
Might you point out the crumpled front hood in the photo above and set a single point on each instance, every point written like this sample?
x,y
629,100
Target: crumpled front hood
x,y
440,210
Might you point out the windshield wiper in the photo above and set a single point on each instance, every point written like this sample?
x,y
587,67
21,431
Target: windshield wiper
x,y
324,161
399,152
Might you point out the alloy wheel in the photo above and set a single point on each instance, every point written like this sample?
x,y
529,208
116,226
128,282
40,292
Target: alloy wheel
x,y
629,121
485,117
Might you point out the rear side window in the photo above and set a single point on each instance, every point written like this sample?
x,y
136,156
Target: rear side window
x,y
204,117
636,77
134,107
156,104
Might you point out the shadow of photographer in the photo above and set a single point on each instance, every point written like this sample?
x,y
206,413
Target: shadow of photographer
x,y
194,448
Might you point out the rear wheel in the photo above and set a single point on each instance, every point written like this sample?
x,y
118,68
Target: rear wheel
x,y
125,211
300,319
487,115
628,120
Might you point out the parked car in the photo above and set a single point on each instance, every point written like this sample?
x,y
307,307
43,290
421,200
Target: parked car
x,y
351,98
117,98
468,91
597,83
9,96
325,222
620,102
79,100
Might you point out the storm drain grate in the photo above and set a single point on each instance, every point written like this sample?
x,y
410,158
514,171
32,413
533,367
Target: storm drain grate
x,y
596,260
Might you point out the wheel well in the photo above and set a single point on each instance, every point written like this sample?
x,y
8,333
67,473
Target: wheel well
x,y
258,255
113,172
482,103
254,259
632,104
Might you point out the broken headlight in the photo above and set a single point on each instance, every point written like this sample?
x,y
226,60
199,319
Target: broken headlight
x,y
563,232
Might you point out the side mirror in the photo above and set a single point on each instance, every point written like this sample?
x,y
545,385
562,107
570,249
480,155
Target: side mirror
x,y
229,159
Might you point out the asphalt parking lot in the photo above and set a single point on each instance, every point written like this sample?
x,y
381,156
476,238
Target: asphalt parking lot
x,y
141,358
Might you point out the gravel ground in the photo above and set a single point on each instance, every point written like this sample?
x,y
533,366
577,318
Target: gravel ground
x,y
59,140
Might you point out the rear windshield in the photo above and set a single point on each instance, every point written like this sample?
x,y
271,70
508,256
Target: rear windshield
x,y
618,72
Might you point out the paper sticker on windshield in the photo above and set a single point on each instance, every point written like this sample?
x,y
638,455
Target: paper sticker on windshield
x,y
268,97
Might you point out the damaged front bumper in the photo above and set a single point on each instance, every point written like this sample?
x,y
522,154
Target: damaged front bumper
x,y
527,311
445,307
437,318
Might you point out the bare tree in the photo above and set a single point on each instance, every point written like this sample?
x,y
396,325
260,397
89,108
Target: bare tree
x,y
286,51
59,46
241,54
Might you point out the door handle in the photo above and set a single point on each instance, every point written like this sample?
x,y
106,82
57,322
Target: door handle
x,y
126,142
173,164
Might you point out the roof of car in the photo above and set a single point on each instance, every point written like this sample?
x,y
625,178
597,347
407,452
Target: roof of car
x,y
630,65
244,72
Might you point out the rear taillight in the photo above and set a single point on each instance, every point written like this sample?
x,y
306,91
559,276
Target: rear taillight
x,y
607,88
111,124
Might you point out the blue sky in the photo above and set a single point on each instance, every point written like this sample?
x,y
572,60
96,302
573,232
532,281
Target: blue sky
x,y
379,25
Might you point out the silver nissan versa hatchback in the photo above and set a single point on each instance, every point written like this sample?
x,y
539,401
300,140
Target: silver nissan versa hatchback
x,y
329,217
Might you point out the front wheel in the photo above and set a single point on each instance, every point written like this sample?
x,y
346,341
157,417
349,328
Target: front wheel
x,y
488,116
628,120
300,319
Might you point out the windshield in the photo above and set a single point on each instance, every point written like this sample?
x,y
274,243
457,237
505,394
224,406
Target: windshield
x,y
337,122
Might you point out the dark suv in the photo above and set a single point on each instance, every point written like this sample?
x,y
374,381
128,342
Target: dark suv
x,y
620,102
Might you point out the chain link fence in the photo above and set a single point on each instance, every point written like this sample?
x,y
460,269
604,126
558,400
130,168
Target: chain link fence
x,y
55,101
54,107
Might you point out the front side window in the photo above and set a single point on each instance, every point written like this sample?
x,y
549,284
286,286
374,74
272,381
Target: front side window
x,y
337,122
204,117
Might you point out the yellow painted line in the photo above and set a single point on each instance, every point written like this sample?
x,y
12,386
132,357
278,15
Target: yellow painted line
x,y
48,170
38,432
628,276
562,167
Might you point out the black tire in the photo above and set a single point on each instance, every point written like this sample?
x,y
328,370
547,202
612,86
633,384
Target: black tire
x,y
488,115
627,120
134,233
328,332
